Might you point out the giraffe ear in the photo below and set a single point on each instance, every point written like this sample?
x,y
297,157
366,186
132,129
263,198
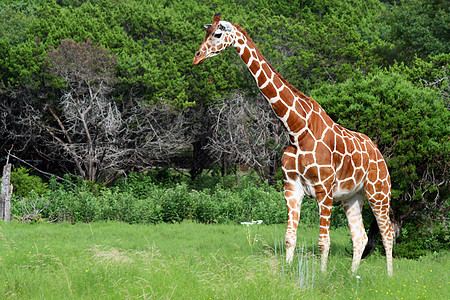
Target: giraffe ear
x,y
207,26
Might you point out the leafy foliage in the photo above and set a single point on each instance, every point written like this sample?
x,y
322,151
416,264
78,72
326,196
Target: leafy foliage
x,y
417,240
141,201
24,182
161,196
418,28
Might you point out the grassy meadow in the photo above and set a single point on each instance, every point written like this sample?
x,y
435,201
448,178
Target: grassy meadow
x,y
116,260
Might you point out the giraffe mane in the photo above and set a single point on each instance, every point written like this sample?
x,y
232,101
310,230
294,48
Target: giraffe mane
x,y
294,90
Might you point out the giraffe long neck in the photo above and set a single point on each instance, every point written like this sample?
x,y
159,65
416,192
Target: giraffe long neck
x,y
291,106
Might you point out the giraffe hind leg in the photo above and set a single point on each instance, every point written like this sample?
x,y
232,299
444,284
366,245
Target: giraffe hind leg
x,y
378,195
353,208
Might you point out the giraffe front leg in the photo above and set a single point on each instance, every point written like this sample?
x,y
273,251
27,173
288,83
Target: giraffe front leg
x,y
325,206
293,194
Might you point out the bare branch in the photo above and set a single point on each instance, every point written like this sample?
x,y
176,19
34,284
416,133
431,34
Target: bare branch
x,y
247,132
38,170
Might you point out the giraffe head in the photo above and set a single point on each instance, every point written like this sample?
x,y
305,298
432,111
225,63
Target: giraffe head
x,y
219,35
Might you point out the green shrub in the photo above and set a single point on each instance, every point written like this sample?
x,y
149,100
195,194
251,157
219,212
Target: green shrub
x,y
145,201
176,203
23,182
205,210
142,184
418,240
29,209
149,202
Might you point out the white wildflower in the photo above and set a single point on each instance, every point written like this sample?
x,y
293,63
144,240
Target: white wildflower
x,y
252,222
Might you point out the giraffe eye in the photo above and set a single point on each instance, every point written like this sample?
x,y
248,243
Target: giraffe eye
x,y
218,35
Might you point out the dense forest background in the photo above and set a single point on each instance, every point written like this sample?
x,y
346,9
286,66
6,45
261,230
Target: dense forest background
x,y
99,89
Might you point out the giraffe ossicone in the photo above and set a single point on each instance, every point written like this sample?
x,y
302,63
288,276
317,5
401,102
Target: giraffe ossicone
x,y
323,159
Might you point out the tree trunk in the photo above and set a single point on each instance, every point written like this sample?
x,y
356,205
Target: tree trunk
x,y
200,158
224,165
6,193
273,168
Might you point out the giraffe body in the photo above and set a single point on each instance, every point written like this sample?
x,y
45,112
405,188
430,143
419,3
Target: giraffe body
x,y
323,159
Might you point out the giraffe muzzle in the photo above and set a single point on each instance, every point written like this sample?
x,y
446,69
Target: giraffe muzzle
x,y
199,58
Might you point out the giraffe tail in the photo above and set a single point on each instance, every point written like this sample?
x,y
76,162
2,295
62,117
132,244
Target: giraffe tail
x,y
373,235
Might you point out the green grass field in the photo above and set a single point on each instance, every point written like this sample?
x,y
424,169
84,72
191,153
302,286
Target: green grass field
x,y
196,261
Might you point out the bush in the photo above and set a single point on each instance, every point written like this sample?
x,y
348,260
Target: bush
x,y
418,240
29,209
176,203
23,182
144,201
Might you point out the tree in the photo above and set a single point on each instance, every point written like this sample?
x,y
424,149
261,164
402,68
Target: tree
x,y
101,137
417,28
247,132
85,123
155,134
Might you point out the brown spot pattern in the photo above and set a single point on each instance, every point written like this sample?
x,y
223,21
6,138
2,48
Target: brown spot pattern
x,y
308,142
262,79
269,91
295,123
254,67
280,107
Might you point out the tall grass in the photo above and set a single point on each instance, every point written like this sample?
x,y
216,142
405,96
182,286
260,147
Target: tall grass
x,y
196,261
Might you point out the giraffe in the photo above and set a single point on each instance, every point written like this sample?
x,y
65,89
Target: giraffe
x,y
322,160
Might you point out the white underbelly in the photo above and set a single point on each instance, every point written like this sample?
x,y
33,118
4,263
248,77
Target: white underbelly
x,y
341,194
338,192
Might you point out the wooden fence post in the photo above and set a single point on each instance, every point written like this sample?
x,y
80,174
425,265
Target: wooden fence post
x,y
6,193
